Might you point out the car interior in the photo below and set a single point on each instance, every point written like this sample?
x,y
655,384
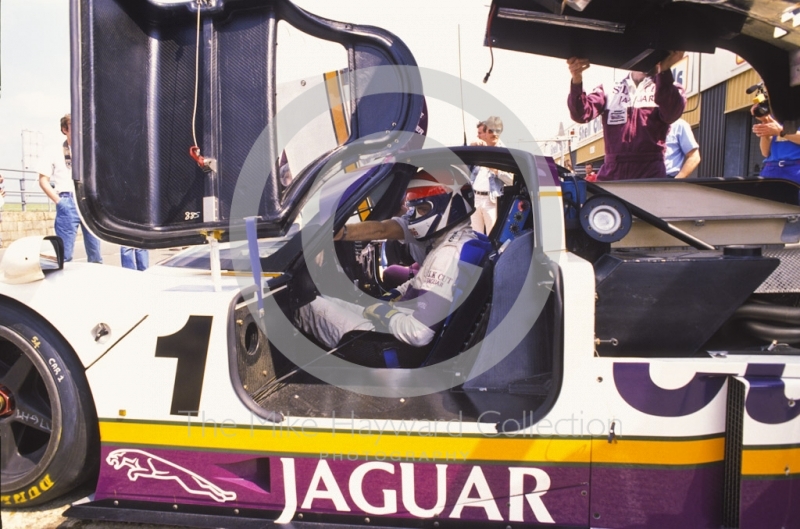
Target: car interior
x,y
464,342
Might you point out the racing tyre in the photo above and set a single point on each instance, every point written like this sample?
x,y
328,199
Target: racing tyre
x,y
49,438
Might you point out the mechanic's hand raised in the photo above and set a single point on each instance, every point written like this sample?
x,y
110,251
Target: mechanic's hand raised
x,y
668,61
576,68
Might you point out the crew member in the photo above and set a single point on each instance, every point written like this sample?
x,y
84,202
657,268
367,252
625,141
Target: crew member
x,y
636,117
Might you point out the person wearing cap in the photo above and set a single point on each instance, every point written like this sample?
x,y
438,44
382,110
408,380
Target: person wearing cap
x,y
636,117
58,170
488,183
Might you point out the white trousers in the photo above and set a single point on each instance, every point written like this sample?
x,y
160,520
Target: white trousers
x,y
330,318
485,214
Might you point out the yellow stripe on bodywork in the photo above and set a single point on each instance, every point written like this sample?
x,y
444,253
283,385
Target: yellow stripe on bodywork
x,y
657,452
365,208
337,106
549,193
770,462
313,443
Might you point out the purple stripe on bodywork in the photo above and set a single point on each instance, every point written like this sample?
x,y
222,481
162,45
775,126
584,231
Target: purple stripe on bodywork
x,y
770,503
547,173
767,402
657,498
764,370
251,481
638,389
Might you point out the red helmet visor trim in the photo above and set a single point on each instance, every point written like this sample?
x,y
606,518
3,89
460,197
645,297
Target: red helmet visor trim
x,y
425,191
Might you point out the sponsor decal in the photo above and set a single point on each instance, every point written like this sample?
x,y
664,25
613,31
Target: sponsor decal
x,y
141,464
373,488
396,487
25,496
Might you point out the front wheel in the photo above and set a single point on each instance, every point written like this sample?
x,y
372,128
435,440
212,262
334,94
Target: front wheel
x,y
48,424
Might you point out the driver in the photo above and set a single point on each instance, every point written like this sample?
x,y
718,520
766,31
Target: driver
x,y
442,202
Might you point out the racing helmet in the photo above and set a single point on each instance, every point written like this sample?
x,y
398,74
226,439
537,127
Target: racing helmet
x,y
438,200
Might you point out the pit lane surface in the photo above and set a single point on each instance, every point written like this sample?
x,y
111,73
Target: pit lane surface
x,y
50,516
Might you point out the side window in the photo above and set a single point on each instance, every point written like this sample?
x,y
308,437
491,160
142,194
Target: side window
x,y
313,99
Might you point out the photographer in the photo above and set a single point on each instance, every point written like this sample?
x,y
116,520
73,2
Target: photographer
x,y
782,151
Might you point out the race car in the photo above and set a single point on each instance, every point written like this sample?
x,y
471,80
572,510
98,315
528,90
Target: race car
x,y
604,367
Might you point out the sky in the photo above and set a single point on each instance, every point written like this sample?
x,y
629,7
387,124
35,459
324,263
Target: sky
x,y
34,64
34,36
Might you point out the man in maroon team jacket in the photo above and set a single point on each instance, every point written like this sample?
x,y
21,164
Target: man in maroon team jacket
x,y
636,117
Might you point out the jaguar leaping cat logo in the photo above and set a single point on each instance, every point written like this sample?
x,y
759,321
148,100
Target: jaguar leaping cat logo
x,y
155,467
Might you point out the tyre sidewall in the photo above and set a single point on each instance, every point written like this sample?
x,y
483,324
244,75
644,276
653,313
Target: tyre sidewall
x,y
75,456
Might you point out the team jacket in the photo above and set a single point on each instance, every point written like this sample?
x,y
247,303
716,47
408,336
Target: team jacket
x,y
635,123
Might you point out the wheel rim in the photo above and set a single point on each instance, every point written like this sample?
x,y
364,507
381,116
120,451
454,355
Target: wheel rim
x,y
31,431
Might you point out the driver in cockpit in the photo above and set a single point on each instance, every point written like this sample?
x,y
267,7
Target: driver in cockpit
x,y
442,202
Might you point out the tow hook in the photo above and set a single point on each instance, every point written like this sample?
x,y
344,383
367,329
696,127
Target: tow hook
x,y
6,402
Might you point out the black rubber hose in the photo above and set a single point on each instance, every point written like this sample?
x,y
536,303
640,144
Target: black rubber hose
x,y
767,332
770,313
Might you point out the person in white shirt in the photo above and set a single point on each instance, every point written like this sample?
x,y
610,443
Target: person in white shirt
x,y
58,170
488,183
682,152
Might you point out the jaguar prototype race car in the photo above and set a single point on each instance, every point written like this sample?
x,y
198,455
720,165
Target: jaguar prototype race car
x,y
618,354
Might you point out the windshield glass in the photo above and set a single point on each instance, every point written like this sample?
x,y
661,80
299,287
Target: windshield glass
x,y
198,257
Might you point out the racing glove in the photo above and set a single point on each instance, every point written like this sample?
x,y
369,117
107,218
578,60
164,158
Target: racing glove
x,y
392,295
380,314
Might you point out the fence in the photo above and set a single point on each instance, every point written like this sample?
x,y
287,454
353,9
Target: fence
x,y
23,192
27,210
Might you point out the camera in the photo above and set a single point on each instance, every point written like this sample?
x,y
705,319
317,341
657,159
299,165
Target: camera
x,y
760,99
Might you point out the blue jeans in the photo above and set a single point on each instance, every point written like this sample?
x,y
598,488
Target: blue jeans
x,y
134,258
67,222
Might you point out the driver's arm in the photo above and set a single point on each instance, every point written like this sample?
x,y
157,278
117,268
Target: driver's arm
x,y
370,230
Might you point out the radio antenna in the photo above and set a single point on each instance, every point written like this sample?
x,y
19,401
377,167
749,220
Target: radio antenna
x,y
461,87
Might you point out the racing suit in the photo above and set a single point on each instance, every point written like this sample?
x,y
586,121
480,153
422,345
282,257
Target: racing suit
x,y
420,304
636,120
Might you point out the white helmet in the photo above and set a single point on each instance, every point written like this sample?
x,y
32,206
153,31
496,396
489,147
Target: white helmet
x,y
441,199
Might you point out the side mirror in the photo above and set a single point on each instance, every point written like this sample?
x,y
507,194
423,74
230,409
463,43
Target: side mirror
x,y
26,259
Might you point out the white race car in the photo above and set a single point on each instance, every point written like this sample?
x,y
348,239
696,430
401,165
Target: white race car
x,y
586,377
